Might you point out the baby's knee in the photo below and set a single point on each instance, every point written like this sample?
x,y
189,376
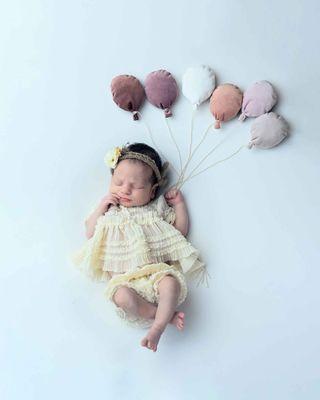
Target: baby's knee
x,y
123,297
169,282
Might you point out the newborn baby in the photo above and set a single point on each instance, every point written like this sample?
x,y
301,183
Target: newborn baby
x,y
136,242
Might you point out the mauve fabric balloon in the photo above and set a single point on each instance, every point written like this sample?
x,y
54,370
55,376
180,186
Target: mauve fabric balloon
x,y
198,84
268,131
225,103
128,93
161,90
258,99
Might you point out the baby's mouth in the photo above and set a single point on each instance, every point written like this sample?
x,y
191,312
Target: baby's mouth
x,y
125,199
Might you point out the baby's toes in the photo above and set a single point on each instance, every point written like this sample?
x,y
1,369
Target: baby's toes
x,y
151,345
144,342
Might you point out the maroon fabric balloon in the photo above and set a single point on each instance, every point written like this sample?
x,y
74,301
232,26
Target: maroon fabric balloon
x,y
161,90
128,93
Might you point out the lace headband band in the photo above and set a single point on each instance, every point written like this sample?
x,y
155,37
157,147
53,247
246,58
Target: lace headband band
x,y
114,156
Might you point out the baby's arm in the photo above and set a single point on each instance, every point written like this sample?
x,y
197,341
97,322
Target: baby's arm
x,y
91,221
175,199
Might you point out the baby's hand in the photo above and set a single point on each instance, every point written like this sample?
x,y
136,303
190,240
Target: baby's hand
x,y
174,197
107,200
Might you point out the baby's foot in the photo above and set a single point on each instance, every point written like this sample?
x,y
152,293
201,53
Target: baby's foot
x,y
154,334
178,320
152,338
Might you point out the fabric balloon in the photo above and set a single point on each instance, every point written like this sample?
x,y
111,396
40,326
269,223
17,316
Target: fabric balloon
x,y
258,99
198,84
268,131
225,103
161,90
128,93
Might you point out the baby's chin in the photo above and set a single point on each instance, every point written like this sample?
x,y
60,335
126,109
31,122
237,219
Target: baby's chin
x,y
133,203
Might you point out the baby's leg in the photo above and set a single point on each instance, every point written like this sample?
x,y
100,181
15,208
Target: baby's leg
x,y
169,290
129,300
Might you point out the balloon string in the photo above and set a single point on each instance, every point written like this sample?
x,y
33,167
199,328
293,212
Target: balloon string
x,y
179,184
177,147
151,137
190,146
149,132
212,165
196,149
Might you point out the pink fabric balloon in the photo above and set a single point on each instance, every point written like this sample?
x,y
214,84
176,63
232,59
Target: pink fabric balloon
x,y
258,99
225,103
161,90
128,93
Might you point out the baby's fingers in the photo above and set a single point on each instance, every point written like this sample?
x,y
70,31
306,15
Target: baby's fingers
x,y
171,193
114,201
110,195
110,200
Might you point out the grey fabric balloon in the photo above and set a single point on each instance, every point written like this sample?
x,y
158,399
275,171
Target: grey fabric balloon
x,y
268,131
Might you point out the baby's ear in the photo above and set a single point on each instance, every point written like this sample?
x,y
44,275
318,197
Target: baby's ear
x,y
153,190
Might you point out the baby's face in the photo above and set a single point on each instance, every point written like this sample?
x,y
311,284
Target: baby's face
x,y
131,181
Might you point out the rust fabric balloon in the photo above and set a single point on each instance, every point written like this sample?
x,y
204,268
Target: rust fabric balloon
x,y
225,103
128,93
161,90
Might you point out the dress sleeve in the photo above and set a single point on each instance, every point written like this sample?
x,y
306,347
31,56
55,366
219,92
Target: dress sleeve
x,y
165,211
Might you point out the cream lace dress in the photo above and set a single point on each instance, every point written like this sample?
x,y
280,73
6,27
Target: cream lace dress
x,y
136,247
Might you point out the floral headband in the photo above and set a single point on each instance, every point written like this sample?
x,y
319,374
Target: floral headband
x,y
114,156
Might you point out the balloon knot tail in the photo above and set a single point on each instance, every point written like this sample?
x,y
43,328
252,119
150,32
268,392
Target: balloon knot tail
x,y
242,117
135,115
167,112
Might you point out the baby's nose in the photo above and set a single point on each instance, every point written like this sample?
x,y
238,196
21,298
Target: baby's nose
x,y
126,189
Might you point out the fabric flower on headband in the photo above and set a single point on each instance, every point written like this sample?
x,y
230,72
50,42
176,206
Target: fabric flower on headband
x,y
111,158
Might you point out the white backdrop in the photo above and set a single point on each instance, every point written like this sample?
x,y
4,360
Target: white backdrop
x,y
255,219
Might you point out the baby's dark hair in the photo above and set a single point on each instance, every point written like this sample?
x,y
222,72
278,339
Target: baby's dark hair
x,y
149,151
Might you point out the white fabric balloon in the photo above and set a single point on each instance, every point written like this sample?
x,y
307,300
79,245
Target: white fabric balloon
x,y
268,131
198,84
